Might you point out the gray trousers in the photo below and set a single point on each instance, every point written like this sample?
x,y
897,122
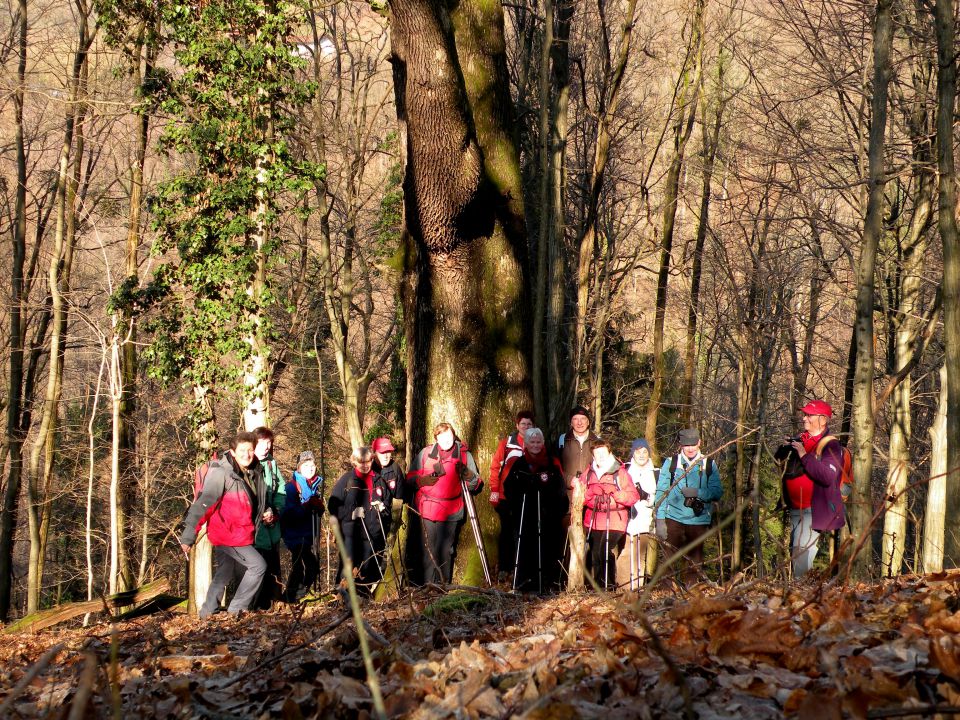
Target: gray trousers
x,y
803,541
243,562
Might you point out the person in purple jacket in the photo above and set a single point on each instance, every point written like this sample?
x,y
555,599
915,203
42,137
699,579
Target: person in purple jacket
x,y
823,465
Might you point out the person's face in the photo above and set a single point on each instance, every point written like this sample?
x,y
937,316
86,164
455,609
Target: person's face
x,y
364,465
243,454
263,448
445,439
308,468
384,458
641,455
534,444
600,455
814,424
524,425
690,451
580,424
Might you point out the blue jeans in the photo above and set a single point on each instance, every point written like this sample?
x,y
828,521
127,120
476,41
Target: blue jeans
x,y
803,541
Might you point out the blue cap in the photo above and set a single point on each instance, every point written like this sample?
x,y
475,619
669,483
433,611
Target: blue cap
x,y
639,443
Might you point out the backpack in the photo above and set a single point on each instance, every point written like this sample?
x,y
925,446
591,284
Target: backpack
x,y
846,465
201,475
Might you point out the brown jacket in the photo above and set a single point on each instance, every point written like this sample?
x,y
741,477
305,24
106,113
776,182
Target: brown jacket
x,y
574,457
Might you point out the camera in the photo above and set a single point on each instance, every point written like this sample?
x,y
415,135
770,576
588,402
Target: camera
x,y
695,504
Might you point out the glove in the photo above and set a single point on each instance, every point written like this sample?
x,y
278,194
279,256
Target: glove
x,y
378,506
357,513
316,502
424,480
544,478
439,470
661,530
494,498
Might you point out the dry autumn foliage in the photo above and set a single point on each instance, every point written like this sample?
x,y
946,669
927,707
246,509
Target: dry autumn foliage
x,y
813,650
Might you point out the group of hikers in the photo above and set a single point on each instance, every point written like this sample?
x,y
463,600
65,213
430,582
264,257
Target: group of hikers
x,y
248,508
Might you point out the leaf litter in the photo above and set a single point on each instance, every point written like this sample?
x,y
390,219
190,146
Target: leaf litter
x,y
814,650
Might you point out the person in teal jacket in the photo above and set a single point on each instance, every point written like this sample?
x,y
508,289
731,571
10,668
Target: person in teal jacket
x,y
267,540
687,487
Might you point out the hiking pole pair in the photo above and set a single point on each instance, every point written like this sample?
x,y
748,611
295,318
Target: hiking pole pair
x,y
516,564
377,506
475,524
361,514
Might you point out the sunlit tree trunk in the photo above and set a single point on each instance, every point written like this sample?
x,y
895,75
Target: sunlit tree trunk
x,y
944,16
934,516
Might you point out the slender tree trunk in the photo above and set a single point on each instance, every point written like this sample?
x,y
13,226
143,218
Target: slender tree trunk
x,y
690,82
586,266
201,554
934,517
862,410
946,100
15,433
913,253
711,141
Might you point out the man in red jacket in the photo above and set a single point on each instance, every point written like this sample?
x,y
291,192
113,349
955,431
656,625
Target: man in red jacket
x,y
229,504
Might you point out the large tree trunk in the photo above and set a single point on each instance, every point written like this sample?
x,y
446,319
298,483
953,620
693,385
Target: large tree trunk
x,y
464,298
15,434
950,237
862,411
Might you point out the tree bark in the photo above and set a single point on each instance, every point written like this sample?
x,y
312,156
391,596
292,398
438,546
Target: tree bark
x,y
934,517
863,425
465,288
15,433
944,20
689,88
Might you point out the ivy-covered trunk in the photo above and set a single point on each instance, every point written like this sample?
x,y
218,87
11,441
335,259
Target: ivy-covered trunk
x,y
465,290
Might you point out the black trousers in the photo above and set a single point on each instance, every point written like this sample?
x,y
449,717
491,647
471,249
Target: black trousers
x,y
303,571
439,549
506,539
603,556
271,587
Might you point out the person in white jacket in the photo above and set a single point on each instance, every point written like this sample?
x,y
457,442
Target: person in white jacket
x,y
632,563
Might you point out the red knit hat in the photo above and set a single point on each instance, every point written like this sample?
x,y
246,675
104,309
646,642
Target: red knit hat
x,y
817,407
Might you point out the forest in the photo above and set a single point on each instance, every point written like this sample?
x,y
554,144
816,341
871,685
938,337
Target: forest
x,y
347,220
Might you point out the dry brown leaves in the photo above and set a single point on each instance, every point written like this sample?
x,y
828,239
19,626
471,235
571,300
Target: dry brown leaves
x,y
818,651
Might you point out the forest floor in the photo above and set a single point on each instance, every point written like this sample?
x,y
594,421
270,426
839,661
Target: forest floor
x,y
752,650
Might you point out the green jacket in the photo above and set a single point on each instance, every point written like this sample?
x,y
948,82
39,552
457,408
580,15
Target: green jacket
x,y
268,537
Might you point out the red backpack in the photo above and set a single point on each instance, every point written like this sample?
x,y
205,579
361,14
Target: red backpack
x,y
846,465
201,475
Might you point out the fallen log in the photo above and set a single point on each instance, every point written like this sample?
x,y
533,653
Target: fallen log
x,y
61,613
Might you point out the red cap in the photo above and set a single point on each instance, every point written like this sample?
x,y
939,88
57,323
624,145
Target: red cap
x,y
383,445
817,407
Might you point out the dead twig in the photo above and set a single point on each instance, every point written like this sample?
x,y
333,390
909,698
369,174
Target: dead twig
x,y
78,708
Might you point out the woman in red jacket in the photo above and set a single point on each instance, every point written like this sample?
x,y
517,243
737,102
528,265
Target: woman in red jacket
x,y
438,472
610,493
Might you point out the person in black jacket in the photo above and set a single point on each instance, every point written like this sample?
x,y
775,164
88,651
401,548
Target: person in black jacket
x,y
301,524
533,485
361,501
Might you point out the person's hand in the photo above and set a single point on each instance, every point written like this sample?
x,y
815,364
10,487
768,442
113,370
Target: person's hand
x,y
494,498
316,502
661,528
690,492
438,470
378,506
268,517
185,548
798,446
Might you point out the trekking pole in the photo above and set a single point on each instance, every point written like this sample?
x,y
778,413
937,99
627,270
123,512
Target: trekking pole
x,y
539,549
606,549
359,513
516,561
477,535
326,541
386,549
630,539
